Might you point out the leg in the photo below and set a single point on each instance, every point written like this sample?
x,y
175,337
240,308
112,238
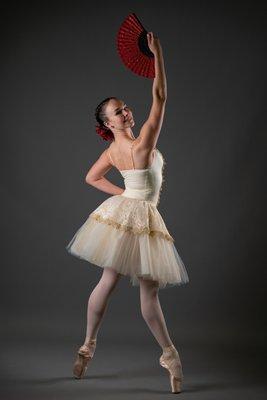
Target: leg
x,y
152,312
153,315
98,301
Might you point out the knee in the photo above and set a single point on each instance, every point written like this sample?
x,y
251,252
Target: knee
x,y
109,279
148,299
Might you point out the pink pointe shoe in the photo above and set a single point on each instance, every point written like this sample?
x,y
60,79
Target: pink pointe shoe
x,y
85,354
171,361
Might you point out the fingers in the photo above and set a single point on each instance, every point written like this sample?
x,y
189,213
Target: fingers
x,y
150,35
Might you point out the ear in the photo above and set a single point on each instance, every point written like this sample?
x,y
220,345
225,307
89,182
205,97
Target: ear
x,y
106,124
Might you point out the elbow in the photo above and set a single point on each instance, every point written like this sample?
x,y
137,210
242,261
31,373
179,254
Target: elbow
x,y
88,180
162,99
161,96
91,180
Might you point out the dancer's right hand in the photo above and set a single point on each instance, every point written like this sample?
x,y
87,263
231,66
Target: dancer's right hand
x,y
153,42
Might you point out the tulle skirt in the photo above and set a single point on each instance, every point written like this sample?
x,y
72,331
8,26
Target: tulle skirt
x,y
129,235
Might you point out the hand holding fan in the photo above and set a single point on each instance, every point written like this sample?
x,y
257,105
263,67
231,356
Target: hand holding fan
x,y
132,46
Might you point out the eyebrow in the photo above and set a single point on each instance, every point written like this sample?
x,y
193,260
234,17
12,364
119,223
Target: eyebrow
x,y
119,107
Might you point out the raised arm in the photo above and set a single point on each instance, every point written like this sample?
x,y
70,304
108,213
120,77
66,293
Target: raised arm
x,y
150,131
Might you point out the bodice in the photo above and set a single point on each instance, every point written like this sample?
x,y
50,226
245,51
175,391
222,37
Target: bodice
x,y
144,184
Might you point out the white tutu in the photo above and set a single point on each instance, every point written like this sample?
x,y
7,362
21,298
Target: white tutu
x,y
130,236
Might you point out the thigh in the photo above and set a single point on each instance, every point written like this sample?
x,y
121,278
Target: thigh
x,y
110,277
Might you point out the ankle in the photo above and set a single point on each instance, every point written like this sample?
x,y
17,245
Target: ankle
x,y
90,341
168,347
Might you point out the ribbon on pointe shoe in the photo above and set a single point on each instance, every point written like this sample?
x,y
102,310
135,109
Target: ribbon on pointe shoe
x,y
87,350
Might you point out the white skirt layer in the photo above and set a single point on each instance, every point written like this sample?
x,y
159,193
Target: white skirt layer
x,y
130,236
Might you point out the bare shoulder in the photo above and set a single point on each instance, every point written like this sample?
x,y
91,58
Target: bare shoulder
x,y
106,153
109,147
104,157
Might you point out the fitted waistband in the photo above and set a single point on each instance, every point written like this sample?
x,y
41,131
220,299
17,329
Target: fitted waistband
x,y
139,195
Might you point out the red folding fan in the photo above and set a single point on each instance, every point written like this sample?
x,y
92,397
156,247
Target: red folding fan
x,y
132,46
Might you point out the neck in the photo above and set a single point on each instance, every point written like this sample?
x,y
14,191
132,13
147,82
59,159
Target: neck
x,y
121,135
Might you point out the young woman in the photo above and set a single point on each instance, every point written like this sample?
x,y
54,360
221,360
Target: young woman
x,y
126,235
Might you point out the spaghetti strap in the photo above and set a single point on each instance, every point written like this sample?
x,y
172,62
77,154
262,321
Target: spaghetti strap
x,y
108,152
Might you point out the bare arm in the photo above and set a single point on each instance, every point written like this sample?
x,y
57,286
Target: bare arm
x,y
150,131
95,176
159,89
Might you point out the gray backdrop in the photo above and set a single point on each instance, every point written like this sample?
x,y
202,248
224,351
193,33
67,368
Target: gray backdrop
x,y
59,61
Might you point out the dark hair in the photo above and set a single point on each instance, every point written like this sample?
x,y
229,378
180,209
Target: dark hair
x,y
100,116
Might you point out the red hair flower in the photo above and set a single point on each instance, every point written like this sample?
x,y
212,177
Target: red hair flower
x,y
104,132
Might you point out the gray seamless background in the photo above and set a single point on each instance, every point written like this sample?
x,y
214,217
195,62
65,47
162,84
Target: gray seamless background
x,y
59,61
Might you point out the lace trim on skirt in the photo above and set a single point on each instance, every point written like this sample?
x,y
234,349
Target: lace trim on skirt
x,y
132,229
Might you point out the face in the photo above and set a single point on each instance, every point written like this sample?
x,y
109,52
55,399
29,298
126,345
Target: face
x,y
118,114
